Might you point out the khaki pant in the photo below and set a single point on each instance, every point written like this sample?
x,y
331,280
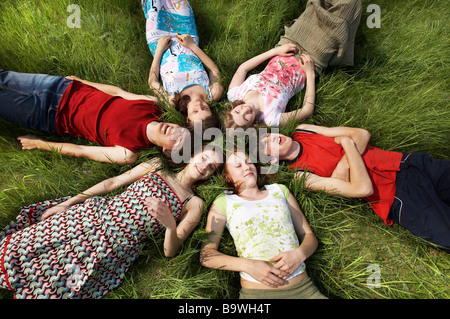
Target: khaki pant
x,y
303,290
326,31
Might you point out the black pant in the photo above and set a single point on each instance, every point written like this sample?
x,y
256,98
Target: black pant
x,y
422,198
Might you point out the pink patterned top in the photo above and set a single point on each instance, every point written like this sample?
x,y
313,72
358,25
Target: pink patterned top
x,y
282,78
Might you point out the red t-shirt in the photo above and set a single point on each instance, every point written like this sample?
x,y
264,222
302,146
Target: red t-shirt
x,y
320,155
87,112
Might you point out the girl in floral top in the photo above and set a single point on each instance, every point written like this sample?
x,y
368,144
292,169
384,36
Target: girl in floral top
x,y
324,33
264,96
190,78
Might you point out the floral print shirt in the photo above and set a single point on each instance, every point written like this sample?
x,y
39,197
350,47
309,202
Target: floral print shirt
x,y
179,67
282,78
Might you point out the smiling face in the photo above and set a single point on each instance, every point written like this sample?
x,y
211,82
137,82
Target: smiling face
x,y
168,135
243,115
204,164
276,145
240,172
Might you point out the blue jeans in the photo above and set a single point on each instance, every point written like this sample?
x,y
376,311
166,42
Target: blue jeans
x,y
31,99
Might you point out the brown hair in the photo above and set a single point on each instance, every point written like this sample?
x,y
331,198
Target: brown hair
x,y
181,103
228,121
174,167
236,187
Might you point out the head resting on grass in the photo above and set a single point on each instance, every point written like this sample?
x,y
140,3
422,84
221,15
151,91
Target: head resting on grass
x,y
195,110
239,114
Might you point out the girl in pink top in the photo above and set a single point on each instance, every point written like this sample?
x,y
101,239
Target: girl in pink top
x,y
323,33
264,96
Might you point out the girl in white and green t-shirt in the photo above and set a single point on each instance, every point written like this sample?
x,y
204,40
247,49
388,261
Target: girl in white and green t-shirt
x,y
271,235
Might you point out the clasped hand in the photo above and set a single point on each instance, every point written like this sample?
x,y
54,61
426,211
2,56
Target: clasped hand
x,y
275,275
288,49
184,39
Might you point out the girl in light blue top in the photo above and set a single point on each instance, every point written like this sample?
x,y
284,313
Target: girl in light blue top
x,y
190,79
270,232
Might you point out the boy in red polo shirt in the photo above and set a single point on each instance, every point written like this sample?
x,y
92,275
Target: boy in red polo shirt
x,y
122,122
411,189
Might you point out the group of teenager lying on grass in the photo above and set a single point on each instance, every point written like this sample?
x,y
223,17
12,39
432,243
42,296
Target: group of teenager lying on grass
x,y
102,235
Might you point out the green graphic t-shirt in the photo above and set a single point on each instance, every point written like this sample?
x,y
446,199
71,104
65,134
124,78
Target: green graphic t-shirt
x,y
261,229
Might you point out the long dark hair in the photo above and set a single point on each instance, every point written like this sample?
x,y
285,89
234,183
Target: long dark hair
x,y
181,102
176,167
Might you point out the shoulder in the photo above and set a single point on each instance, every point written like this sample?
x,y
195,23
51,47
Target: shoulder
x,y
280,187
238,91
232,93
221,197
308,128
195,203
153,164
303,132
275,116
221,203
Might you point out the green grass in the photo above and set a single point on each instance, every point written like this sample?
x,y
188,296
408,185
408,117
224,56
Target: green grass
x,y
398,90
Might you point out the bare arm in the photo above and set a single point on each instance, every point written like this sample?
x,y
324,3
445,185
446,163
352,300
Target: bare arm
x,y
106,186
107,154
153,77
289,261
359,183
216,91
310,94
114,90
241,73
212,258
175,235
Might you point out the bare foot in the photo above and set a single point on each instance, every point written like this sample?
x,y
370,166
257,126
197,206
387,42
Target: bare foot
x,y
29,142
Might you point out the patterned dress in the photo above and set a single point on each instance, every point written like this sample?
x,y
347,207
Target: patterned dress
x,y
82,252
179,67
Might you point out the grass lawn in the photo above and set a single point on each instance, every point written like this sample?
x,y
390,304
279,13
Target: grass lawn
x,y
398,90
